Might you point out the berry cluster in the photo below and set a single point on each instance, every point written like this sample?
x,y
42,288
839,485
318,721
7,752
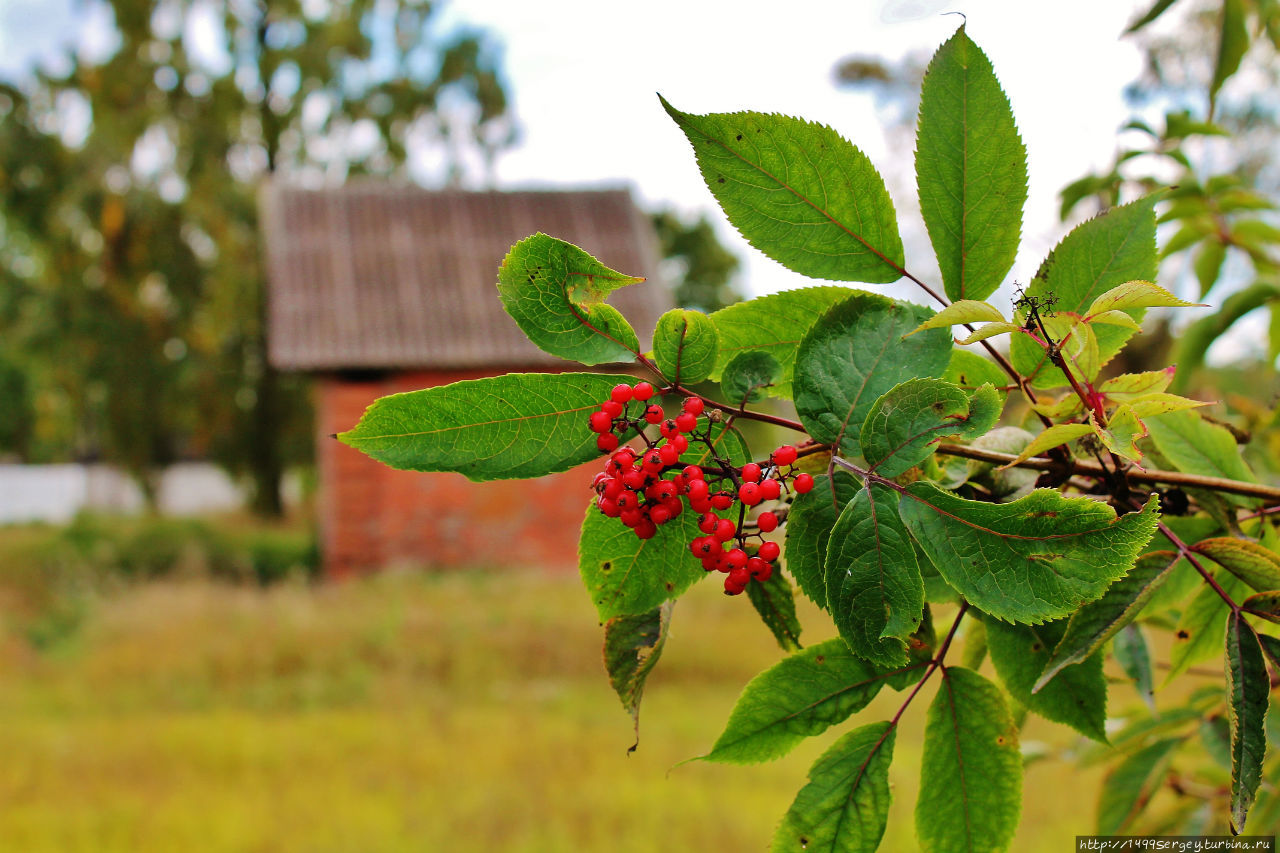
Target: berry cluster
x,y
648,487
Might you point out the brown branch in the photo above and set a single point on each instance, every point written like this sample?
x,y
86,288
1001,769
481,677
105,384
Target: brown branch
x,y
1149,475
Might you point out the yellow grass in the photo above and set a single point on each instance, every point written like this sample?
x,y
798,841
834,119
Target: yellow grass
x,y
411,713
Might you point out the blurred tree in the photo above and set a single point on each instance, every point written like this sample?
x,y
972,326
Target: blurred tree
x,y
699,265
129,251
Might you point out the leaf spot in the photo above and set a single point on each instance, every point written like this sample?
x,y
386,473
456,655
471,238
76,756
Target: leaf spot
x,y
820,659
720,180
738,137
1182,634
606,566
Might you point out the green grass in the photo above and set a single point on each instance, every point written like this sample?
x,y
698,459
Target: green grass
x,y
457,712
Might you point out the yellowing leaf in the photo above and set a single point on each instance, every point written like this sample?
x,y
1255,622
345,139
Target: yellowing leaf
x,y
1122,432
1136,294
1056,435
962,311
1116,318
1130,386
989,331
1159,404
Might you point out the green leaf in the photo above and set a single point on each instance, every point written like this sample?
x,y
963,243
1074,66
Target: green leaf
x,y
1122,433
1195,446
632,646
874,589
962,311
799,192
971,771
1129,387
1102,253
775,324
555,292
1257,566
1162,404
809,524
1248,687
845,805
1077,696
1037,558
1130,649
749,376
626,575
1055,436
1198,635
727,442
908,421
1117,318
1232,45
971,371
775,601
1264,604
1208,264
1136,294
1128,788
989,330
1078,344
685,346
971,170
855,353
1156,10
502,427
802,696
1093,624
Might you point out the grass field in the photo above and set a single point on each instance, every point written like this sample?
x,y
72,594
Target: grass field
x,y
463,712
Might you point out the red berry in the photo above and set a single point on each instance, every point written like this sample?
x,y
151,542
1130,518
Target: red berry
x,y
724,530
624,457
738,578
653,461
646,529
803,483
669,428
674,507
613,488
608,507
670,454
710,563
611,408
769,551
737,558
678,482
693,472
607,442
707,523
659,515
709,546
767,522
751,472
679,442
697,488
663,490
693,405
749,494
621,394
723,500
643,391
626,500
702,504
758,568
633,479
631,517
770,490
653,414
601,422
686,422
785,455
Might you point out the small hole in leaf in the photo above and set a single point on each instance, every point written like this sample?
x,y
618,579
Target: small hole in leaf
x,y
1182,635
738,137
606,566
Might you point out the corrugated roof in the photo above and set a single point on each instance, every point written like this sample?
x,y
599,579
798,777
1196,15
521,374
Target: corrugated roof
x,y
374,275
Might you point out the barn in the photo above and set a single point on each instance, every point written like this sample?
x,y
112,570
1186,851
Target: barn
x,y
376,289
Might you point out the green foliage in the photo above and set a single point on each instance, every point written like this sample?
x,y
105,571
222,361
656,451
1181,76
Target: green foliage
x,y
971,168
890,503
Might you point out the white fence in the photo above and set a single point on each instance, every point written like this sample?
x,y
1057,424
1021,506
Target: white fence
x,y
55,493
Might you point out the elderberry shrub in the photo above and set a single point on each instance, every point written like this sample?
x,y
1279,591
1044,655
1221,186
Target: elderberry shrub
x,y
647,486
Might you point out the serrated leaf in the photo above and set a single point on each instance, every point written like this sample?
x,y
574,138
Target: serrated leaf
x,y
971,771
801,696
1162,404
809,524
1252,563
1031,560
1264,604
626,575
1248,687
907,422
1135,294
1198,635
962,311
632,646
1077,696
1129,387
749,376
971,170
1093,624
1130,650
775,601
874,589
1055,436
555,292
775,324
1116,318
1122,433
1195,446
845,805
1128,787
799,192
855,353
990,330
685,345
500,427
1097,255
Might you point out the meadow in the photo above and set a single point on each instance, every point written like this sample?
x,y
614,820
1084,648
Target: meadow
x,y
409,711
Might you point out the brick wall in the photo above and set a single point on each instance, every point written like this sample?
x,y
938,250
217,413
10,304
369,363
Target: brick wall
x,y
372,516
